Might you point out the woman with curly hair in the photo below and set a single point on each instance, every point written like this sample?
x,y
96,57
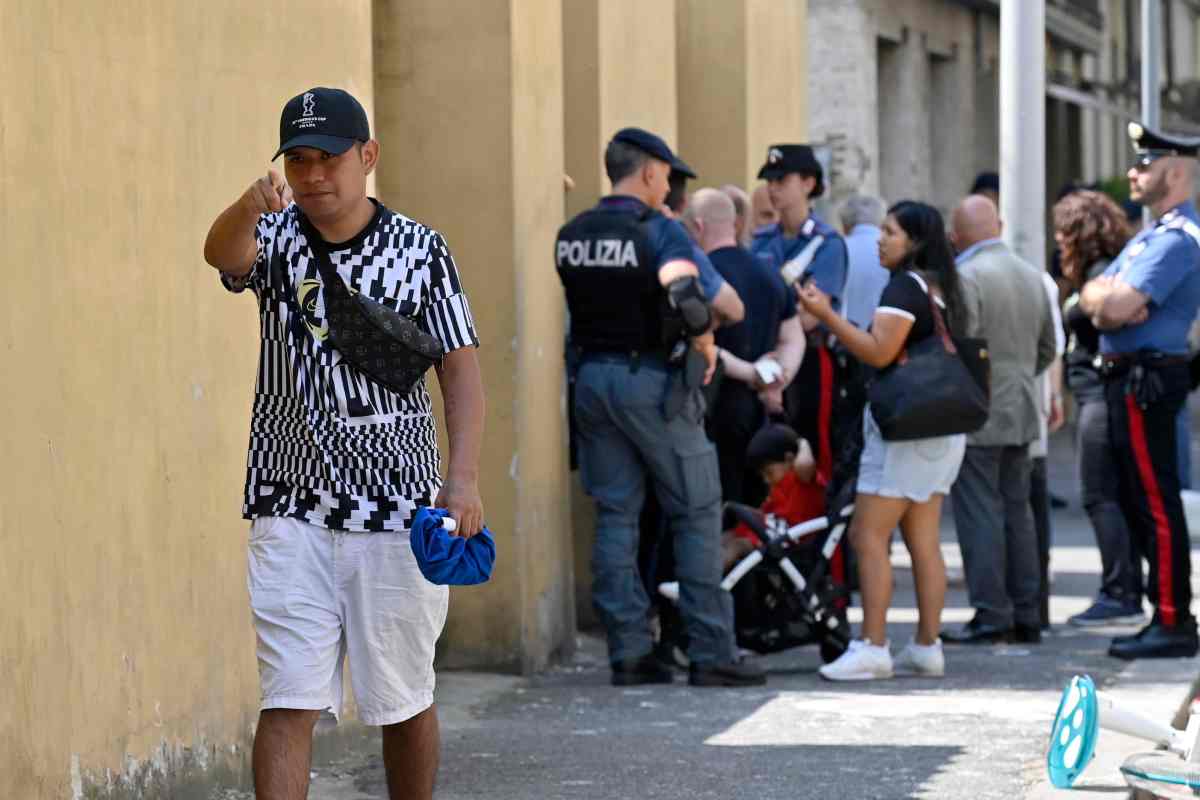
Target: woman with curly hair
x,y
1090,230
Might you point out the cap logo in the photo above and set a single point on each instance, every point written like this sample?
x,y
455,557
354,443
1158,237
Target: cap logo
x,y
774,155
309,102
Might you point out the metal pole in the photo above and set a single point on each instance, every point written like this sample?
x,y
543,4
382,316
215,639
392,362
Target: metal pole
x,y
1023,127
1151,49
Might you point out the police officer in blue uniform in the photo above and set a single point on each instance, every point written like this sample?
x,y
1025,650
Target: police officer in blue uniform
x,y
635,303
803,248
1144,305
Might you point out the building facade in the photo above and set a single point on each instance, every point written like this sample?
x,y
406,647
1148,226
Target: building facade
x,y
905,93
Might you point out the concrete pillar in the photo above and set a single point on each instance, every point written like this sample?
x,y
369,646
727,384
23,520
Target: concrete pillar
x,y
952,111
841,65
618,59
1090,126
1023,128
904,144
470,115
741,69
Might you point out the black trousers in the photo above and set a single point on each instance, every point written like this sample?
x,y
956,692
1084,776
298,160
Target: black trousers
x,y
1100,474
1144,443
1039,502
737,415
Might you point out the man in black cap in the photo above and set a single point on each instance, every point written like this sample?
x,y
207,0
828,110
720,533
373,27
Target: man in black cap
x,y
338,463
802,247
1144,304
636,307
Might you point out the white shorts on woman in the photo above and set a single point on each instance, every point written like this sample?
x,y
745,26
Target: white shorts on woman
x,y
915,469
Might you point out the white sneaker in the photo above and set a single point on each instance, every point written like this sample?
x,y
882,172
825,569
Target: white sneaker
x,y
862,661
921,659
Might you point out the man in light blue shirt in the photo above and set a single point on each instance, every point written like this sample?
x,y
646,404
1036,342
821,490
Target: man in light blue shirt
x,y
861,215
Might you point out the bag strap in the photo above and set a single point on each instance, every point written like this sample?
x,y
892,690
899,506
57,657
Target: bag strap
x,y
939,322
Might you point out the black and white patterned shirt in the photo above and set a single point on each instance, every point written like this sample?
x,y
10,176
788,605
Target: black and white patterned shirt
x,y
328,445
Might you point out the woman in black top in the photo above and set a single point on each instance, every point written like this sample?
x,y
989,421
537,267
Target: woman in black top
x,y
901,482
1090,230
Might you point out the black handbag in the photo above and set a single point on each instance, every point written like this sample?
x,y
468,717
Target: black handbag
x,y
384,345
939,386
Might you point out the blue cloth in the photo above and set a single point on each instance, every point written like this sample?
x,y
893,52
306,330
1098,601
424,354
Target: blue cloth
x,y
865,277
829,265
962,257
448,559
768,303
1163,263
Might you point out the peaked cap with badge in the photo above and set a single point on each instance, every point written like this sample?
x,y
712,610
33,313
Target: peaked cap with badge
x,y
1150,145
653,146
785,158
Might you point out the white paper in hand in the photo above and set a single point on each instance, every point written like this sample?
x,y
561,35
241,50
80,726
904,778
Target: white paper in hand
x,y
792,270
769,370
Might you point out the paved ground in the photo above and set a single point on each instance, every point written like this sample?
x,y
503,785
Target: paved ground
x,y
980,732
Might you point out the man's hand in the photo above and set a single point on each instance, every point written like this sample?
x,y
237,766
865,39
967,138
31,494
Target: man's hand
x,y
461,498
1057,416
707,345
267,195
772,399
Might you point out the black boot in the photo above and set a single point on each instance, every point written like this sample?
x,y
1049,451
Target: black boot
x,y
1158,641
637,671
739,672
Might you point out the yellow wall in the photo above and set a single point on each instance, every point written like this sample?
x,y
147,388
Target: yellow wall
x,y
742,84
619,62
470,99
124,129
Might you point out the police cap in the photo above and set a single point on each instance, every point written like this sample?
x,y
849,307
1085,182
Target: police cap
x,y
654,146
1150,145
786,158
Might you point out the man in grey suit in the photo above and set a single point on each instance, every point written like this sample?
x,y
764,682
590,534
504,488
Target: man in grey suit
x,y
1006,304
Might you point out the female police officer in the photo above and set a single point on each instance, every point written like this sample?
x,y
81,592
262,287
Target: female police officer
x,y
634,300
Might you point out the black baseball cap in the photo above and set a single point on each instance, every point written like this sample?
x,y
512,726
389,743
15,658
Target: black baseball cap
x,y
327,119
654,146
783,159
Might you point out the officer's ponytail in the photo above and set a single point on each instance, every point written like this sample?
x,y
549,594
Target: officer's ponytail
x,y
931,255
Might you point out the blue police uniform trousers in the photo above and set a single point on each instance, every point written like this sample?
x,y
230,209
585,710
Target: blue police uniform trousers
x,y
623,436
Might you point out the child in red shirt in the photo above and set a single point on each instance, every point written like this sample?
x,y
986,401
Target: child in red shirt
x,y
797,489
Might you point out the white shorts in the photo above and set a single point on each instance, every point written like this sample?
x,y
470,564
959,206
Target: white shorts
x,y
319,595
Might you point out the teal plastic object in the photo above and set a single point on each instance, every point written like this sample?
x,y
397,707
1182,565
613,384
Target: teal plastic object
x,y
1073,736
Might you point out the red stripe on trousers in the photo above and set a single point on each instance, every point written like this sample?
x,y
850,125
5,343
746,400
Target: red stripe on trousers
x,y
1162,527
837,564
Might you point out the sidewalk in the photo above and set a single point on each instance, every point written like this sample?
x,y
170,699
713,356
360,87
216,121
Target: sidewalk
x,y
981,732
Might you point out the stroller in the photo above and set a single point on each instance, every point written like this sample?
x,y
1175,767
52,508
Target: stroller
x,y
783,592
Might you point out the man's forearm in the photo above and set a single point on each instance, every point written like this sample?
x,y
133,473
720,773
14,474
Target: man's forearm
x,y
462,394
789,350
231,246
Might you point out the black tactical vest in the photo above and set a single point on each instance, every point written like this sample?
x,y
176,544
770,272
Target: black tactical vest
x,y
607,267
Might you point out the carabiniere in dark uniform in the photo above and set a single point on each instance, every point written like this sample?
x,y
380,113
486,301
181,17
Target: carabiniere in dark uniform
x,y
636,414
1144,304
